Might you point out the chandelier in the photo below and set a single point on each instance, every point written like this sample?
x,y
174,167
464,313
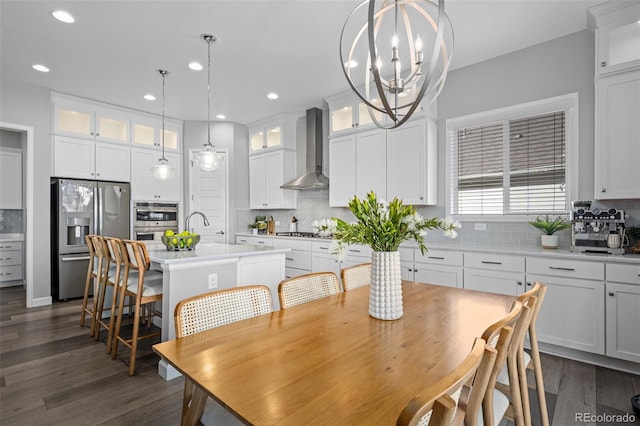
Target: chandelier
x,y
208,159
399,71
162,170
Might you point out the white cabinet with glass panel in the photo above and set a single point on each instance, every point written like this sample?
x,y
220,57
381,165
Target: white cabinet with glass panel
x,y
348,113
143,186
617,29
89,120
146,132
85,159
274,132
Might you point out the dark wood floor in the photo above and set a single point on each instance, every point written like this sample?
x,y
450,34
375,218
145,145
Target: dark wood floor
x,y
53,373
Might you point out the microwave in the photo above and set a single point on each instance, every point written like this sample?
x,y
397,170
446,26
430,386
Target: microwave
x,y
151,219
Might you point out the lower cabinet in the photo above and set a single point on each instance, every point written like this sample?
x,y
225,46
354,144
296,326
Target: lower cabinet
x,y
623,311
298,260
11,265
255,241
573,310
441,267
494,273
323,259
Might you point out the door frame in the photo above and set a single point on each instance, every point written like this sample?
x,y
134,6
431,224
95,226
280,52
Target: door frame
x,y
29,186
191,164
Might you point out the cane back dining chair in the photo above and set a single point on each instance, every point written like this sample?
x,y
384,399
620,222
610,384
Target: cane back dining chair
x,y
437,405
144,288
210,310
307,287
532,298
356,276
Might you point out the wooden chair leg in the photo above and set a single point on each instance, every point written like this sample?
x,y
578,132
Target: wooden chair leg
x,y
134,339
99,306
537,366
524,388
114,301
516,399
116,333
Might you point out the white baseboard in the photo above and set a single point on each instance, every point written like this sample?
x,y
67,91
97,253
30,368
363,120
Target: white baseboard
x,y
41,301
589,358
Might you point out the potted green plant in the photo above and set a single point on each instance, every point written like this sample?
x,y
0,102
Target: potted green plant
x,y
549,227
383,227
258,226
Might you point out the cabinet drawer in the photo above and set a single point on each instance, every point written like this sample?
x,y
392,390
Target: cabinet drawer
x,y
10,273
565,268
406,254
10,246
494,262
298,259
294,272
327,246
255,241
440,257
298,244
358,250
8,258
623,273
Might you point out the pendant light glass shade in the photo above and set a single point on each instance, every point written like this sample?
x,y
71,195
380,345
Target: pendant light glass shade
x,y
406,46
162,170
208,159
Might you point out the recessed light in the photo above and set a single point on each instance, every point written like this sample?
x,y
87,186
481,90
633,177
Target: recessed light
x,y
351,64
221,116
272,95
40,67
63,16
195,66
149,97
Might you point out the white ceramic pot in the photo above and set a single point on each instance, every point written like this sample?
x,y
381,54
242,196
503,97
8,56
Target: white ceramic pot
x,y
255,231
385,291
549,241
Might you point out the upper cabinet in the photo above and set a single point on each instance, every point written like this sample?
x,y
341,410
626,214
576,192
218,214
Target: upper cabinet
x,y
271,133
146,132
617,36
144,187
617,128
84,159
348,113
10,178
267,171
88,120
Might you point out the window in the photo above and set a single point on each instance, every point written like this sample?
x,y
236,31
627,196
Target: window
x,y
513,161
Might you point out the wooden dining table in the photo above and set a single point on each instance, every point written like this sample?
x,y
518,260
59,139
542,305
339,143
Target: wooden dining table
x,y
328,362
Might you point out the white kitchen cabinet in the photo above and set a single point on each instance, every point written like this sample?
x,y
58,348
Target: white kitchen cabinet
x,y
441,267
623,311
86,159
10,178
11,263
143,186
323,259
89,120
412,167
146,132
494,273
348,113
259,240
274,132
573,310
342,174
617,34
617,152
298,260
267,172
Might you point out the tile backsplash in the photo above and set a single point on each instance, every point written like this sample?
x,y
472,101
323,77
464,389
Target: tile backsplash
x,y
314,205
11,221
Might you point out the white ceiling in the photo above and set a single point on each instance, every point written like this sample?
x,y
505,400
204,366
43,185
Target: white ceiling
x,y
291,47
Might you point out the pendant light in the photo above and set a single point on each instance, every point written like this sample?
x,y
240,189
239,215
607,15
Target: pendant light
x,y
208,159
393,35
162,170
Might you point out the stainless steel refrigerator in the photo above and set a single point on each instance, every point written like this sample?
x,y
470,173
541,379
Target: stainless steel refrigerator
x,y
78,208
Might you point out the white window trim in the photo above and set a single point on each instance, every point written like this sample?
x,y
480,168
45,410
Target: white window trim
x,y
568,102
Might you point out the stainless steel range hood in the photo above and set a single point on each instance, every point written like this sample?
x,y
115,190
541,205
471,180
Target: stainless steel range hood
x,y
313,178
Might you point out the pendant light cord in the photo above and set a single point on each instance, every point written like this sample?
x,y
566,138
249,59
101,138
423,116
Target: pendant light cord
x,y
164,73
209,92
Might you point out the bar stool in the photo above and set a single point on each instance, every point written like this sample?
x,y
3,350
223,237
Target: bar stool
x,y
145,287
91,275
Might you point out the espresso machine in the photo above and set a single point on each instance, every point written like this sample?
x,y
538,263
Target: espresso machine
x,y
595,230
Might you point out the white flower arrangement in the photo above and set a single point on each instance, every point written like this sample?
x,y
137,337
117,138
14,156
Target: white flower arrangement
x,y
324,227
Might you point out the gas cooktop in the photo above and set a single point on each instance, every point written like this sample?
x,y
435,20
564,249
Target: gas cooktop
x,y
299,234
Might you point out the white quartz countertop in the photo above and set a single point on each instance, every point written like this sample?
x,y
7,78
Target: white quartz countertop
x,y
211,251
10,238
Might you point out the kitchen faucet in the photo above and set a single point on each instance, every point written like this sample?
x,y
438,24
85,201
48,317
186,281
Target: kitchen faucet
x,y
186,221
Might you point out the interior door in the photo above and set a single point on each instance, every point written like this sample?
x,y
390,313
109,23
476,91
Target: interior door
x,y
208,194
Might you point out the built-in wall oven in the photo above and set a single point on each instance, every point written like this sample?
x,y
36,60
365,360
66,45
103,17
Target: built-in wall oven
x,y
151,220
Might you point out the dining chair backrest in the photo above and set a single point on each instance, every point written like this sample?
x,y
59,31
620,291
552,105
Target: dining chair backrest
x,y
217,308
356,276
435,406
307,287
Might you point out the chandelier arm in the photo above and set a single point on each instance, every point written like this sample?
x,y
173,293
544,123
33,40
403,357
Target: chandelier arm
x,y
375,70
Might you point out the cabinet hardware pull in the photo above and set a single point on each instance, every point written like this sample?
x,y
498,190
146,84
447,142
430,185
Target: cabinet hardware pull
x,y
5,258
611,293
435,257
529,283
261,242
603,190
323,248
410,270
491,263
519,282
561,269
6,273
288,258
603,63
354,251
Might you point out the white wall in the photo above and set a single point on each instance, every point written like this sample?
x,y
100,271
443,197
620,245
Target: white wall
x,y
29,105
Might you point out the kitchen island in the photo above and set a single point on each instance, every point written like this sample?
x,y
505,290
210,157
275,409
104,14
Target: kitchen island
x,y
210,267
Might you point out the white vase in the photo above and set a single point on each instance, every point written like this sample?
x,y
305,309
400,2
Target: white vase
x,y
385,291
549,241
254,231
